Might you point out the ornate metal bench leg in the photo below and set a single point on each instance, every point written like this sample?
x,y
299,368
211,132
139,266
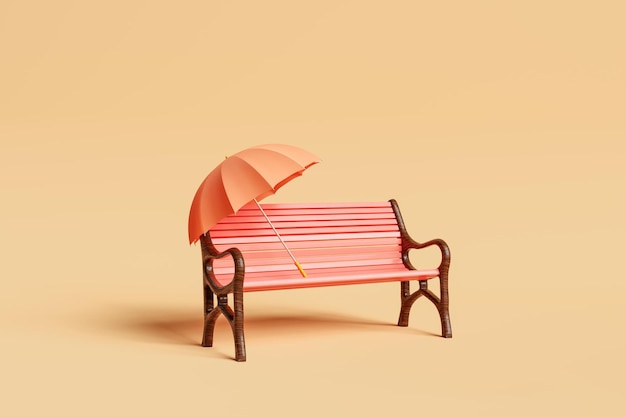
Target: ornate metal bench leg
x,y
442,304
235,319
209,327
444,312
446,328
210,315
212,288
407,303
240,342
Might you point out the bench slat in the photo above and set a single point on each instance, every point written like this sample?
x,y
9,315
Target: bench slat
x,y
247,246
308,206
318,264
356,237
305,232
352,270
252,211
281,224
281,255
259,218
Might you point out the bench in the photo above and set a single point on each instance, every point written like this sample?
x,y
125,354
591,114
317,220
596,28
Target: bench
x,y
336,244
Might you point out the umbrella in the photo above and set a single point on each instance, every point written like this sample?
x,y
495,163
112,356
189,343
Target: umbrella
x,y
249,175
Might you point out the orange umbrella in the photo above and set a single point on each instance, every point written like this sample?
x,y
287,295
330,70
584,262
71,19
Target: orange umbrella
x,y
249,175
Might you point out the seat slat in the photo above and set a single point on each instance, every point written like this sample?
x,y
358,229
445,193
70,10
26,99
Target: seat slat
x,y
312,238
282,225
314,206
281,255
294,273
268,245
259,218
309,211
272,267
304,231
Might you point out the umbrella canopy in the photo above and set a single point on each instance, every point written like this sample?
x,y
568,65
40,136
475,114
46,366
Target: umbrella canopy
x,y
249,175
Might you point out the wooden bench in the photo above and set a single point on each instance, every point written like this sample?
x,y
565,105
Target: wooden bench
x,y
337,244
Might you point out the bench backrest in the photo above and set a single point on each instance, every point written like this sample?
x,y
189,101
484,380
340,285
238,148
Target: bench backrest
x,y
321,235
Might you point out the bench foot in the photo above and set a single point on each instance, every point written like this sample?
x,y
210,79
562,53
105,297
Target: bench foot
x,y
237,325
446,328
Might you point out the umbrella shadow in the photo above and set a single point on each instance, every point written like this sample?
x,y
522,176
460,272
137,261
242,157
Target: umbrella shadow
x,y
154,325
269,326
185,327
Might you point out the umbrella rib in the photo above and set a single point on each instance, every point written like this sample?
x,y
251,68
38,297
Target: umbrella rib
x,y
281,239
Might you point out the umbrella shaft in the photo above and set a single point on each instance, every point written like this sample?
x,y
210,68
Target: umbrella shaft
x,y
275,231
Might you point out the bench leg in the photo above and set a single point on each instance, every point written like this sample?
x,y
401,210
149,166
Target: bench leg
x,y
210,315
405,308
441,303
237,326
209,325
234,318
444,306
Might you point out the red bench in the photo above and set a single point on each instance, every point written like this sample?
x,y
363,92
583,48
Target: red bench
x,y
336,244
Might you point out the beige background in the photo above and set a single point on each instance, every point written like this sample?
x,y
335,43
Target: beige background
x,y
498,126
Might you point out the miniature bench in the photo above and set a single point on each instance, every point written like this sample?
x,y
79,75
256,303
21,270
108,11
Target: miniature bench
x,y
336,244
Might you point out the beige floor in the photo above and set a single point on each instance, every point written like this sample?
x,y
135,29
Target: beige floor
x,y
499,128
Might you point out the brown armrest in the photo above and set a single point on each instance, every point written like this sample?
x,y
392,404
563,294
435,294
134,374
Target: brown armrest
x,y
408,243
210,254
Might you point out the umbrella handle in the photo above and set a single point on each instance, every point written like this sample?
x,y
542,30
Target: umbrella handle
x,y
300,269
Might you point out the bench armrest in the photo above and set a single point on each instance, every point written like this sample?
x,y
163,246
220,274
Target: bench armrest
x,y
210,254
408,243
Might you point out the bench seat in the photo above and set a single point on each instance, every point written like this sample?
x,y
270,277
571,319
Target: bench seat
x,y
324,277
336,244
